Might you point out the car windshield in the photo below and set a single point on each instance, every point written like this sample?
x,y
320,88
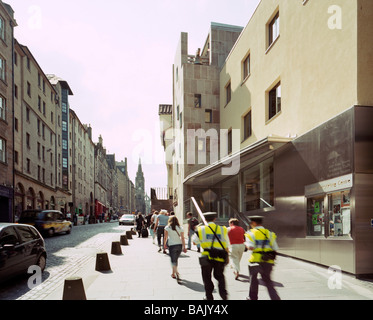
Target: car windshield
x,y
29,216
127,216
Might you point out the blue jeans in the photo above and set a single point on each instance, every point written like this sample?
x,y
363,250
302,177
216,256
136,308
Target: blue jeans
x,y
175,252
191,233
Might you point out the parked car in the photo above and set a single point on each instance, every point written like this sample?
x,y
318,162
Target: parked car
x,y
127,219
47,222
21,246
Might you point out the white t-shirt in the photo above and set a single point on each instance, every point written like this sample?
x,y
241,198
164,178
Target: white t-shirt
x,y
173,237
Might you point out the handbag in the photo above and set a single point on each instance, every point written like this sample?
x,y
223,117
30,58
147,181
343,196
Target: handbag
x,y
216,253
267,255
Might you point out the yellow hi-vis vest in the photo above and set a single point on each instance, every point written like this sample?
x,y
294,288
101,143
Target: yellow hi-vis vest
x,y
260,237
206,237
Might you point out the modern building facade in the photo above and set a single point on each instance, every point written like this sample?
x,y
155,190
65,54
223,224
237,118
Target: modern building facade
x,y
7,24
196,106
296,104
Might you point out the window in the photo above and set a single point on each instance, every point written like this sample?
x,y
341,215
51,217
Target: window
x,y
197,101
2,28
28,165
28,140
273,29
28,114
230,141
208,116
2,108
28,63
228,93
15,92
274,101
246,67
16,124
2,68
247,126
259,186
16,157
2,150
64,126
181,120
64,144
29,89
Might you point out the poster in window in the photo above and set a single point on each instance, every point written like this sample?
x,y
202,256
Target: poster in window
x,y
346,199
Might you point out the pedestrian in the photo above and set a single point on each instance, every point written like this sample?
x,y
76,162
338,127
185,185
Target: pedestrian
x,y
263,245
174,239
236,236
192,224
152,224
160,224
214,242
140,223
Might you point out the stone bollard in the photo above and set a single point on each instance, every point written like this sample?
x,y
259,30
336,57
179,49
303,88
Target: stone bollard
x,y
74,289
124,240
102,262
129,235
115,248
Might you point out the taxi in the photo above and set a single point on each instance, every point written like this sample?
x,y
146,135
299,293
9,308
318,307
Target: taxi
x,y
47,222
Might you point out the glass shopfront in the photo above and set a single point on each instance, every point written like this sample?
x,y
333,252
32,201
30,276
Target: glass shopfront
x,y
258,186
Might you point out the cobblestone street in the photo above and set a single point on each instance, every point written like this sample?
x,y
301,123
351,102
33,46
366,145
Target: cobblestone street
x,y
66,255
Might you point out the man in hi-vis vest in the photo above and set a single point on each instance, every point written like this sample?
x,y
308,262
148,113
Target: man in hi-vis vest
x,y
262,243
215,254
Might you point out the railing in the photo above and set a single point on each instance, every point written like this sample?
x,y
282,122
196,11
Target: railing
x,y
198,60
223,214
161,193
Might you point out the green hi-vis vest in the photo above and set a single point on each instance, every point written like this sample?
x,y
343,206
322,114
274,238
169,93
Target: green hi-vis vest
x,y
261,237
206,237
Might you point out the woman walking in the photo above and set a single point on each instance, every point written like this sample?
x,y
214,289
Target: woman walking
x,y
236,236
160,224
174,233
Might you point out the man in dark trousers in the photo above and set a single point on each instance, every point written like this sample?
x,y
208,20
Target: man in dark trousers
x,y
263,245
214,255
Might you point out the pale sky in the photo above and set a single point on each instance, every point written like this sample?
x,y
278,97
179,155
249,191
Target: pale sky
x,y
117,57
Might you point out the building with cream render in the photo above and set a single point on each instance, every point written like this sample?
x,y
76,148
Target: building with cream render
x,y
296,135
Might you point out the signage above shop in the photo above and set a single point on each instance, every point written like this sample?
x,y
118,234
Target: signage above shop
x,y
328,186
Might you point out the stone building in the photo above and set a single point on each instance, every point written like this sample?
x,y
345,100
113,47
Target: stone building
x,y
36,149
82,151
7,24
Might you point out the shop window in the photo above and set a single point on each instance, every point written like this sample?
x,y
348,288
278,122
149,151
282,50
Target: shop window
x,y
339,214
315,216
259,186
329,215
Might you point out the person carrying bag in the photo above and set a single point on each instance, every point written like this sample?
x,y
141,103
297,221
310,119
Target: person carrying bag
x,y
215,254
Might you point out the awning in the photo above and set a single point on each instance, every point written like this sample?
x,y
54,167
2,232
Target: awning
x,y
242,159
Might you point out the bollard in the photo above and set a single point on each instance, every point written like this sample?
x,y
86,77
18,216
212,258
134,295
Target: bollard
x,y
124,240
129,235
102,262
115,248
74,289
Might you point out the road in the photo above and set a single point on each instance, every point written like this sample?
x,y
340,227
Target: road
x,y
66,254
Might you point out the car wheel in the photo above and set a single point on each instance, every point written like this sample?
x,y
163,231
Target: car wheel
x,y
42,262
68,231
50,232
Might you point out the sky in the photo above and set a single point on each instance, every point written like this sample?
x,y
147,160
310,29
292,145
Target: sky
x,y
117,57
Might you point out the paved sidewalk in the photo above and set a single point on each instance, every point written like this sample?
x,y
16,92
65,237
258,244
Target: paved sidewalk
x,y
141,273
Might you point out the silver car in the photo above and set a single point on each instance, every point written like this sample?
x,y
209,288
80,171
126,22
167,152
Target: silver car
x,y
127,219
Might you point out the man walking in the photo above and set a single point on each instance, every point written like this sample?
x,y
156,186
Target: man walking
x,y
214,242
192,224
263,245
